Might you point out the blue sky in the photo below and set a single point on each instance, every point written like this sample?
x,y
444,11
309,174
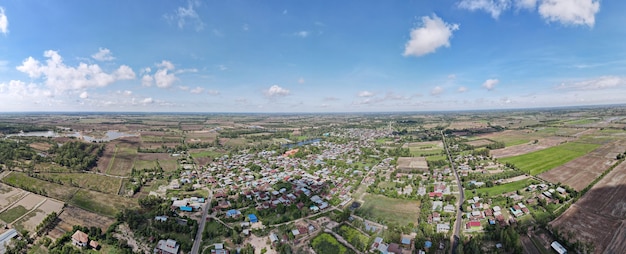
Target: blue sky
x,y
310,56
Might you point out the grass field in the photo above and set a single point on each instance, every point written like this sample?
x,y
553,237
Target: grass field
x,y
205,153
541,161
53,190
386,209
12,214
95,182
123,160
437,158
502,188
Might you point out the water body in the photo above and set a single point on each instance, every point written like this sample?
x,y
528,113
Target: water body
x,y
110,135
302,143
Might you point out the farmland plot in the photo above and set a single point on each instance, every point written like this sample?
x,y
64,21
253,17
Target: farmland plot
x,y
599,216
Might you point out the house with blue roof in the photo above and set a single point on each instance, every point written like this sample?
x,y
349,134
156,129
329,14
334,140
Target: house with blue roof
x,y
232,213
253,218
186,208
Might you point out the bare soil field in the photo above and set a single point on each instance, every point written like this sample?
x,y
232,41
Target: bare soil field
x,y
412,164
41,146
527,148
148,160
31,220
599,216
8,195
581,171
30,201
479,142
72,215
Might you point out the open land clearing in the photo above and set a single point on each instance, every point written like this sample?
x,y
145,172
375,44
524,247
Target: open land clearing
x,y
424,148
410,164
24,209
399,211
599,216
98,202
119,156
540,161
580,172
501,188
525,148
479,142
149,160
72,215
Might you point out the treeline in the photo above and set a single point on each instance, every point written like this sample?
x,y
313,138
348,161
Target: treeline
x,y
17,128
77,155
11,151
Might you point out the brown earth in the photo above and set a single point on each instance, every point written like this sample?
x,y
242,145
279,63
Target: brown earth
x,y
599,216
580,172
72,215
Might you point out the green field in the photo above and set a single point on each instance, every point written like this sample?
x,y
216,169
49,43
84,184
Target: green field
x,y
327,244
205,153
95,182
122,161
12,214
541,161
386,209
501,189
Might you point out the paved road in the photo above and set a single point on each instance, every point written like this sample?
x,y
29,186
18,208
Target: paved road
x,y
205,211
456,236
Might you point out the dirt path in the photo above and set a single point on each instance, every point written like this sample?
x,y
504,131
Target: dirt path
x,y
515,179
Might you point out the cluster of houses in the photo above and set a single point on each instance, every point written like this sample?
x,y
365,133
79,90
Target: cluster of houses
x,y
404,247
187,204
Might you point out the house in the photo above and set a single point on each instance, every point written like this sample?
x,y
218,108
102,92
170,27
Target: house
x,y
394,248
94,245
168,246
443,228
253,218
273,238
186,208
160,218
561,190
80,239
219,249
377,242
473,225
406,240
558,247
232,213
448,208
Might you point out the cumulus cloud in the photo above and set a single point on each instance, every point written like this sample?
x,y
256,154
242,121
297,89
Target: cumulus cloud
x,y
490,84
432,34
494,7
567,12
436,90
570,12
103,54
213,92
125,92
19,89
365,94
4,22
186,16
604,82
462,89
197,90
275,91
164,77
56,74
84,95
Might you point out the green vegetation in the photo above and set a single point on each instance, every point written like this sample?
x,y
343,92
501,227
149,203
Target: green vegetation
x,y
12,214
354,237
389,210
100,183
541,161
326,243
501,189
77,155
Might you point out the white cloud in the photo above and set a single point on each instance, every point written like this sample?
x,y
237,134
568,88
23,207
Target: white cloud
x,y
301,80
184,88
148,100
570,12
84,95
365,94
222,67
432,34
147,80
103,54
604,82
163,79
125,92
526,4
213,92
61,77
187,15
197,90
462,89
16,89
490,84
166,65
4,22
276,90
494,7
302,34
436,90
